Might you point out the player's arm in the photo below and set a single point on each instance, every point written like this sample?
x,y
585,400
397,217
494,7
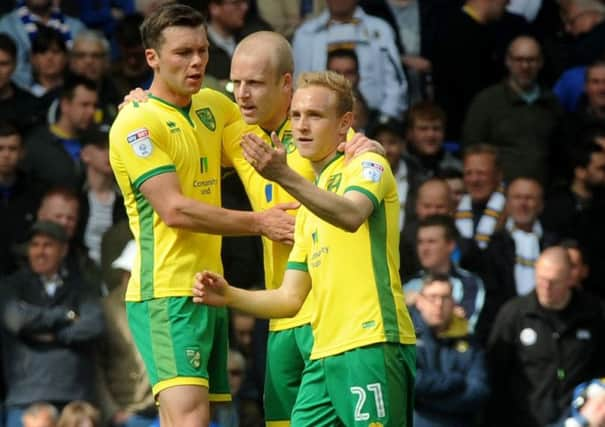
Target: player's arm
x,y
164,194
347,212
212,289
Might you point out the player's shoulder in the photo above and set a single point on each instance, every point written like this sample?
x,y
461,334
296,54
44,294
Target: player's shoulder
x,y
211,96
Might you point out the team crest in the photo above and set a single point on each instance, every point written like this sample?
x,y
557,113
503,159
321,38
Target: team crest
x,y
288,142
334,182
194,357
207,118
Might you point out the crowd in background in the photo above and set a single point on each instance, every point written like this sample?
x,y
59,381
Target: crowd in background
x,y
492,117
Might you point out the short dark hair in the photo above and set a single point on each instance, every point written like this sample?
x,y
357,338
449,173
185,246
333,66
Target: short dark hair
x,y
581,154
425,110
46,38
72,82
127,30
429,278
7,44
450,173
479,149
8,128
169,15
343,53
446,222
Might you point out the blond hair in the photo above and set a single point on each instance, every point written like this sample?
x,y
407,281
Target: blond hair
x,y
332,81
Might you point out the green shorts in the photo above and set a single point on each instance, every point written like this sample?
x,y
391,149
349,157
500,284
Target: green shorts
x,y
288,352
368,386
182,343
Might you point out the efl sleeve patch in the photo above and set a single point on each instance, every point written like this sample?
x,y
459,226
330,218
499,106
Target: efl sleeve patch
x,y
140,142
371,171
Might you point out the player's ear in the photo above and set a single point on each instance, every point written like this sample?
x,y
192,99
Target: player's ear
x,y
152,57
346,121
288,82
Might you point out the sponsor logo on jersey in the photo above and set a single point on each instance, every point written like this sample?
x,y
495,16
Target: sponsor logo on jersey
x,y
172,126
371,171
207,118
140,142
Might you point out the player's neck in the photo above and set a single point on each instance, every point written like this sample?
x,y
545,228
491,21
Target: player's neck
x,y
319,165
276,123
163,92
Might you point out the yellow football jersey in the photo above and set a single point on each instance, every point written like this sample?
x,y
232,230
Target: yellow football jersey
x,y
155,137
263,194
354,276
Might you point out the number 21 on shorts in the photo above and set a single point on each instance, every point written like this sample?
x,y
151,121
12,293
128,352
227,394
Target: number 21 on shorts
x,y
362,395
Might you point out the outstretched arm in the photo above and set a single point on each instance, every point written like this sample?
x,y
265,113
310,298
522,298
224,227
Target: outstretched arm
x,y
212,289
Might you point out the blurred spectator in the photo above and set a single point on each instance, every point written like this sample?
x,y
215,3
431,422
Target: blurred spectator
x,y
390,135
62,205
228,22
433,198
20,195
451,375
113,242
90,58
50,320
480,209
131,69
465,59
22,25
514,249
345,62
585,21
587,406
103,15
242,327
40,415
53,151
345,25
125,403
425,137
579,269
436,241
285,16
16,104
79,414
518,116
415,24
49,62
455,180
589,115
145,7
101,204
567,205
542,345
228,415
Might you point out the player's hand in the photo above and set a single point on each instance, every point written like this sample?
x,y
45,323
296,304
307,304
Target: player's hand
x,y
269,162
277,224
210,289
360,144
135,95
